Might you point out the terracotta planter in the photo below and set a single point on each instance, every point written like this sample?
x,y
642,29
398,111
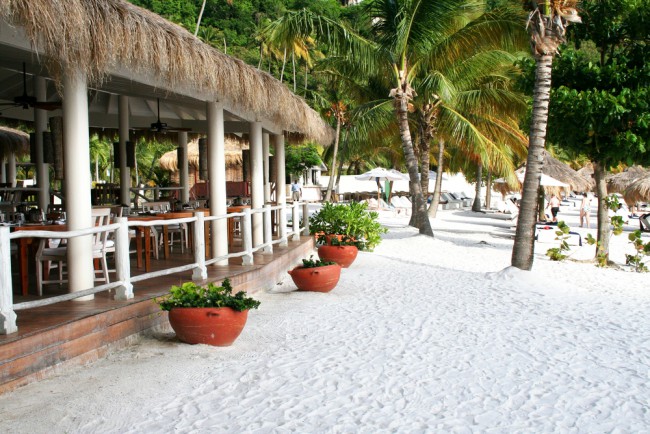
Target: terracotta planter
x,y
218,326
320,279
342,255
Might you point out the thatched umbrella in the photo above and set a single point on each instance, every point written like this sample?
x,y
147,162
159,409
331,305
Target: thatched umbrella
x,y
618,182
169,160
564,173
587,172
639,190
100,36
12,140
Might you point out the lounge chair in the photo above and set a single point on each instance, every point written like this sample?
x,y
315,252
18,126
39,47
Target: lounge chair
x,y
644,222
450,202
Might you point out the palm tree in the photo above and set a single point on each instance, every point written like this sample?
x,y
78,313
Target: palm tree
x,y
547,26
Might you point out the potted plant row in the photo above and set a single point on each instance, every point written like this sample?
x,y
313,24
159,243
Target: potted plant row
x,y
207,315
316,275
342,230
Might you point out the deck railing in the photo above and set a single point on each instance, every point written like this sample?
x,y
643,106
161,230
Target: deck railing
x,y
123,283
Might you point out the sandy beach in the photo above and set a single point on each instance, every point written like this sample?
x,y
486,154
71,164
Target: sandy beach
x,y
422,335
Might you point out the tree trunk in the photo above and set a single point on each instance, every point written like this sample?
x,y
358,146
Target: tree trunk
x,y
259,64
96,169
198,21
284,63
524,245
603,232
435,200
424,165
293,61
420,218
306,75
488,190
330,184
476,206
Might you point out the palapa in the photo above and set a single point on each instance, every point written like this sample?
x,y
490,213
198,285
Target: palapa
x,y
12,140
639,190
619,182
100,36
169,160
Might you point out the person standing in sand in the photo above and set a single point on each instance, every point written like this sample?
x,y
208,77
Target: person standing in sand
x,y
585,208
296,191
554,203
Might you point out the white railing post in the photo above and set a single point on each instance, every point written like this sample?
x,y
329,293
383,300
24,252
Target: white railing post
x,y
7,314
268,230
296,222
305,219
201,271
247,237
122,260
282,222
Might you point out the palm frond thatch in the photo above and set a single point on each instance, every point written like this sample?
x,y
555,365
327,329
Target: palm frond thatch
x,y
97,36
169,160
12,140
564,173
639,190
618,182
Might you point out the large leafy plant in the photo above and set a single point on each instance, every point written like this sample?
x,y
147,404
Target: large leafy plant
x,y
189,294
353,221
315,263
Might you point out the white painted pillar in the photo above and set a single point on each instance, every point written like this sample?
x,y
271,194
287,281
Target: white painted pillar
x,y
125,171
76,161
183,168
265,156
257,182
217,176
3,170
40,125
280,187
11,169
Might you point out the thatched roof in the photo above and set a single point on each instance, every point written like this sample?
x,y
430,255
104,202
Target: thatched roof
x,y
639,190
587,172
618,182
99,35
563,172
12,140
169,160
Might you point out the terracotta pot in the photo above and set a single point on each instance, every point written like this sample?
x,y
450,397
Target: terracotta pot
x,y
342,255
320,279
218,326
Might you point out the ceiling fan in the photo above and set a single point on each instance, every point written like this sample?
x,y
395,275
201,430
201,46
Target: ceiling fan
x,y
25,101
161,127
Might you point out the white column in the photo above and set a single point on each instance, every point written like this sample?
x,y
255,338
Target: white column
x,y
40,125
125,171
217,177
257,182
183,168
265,156
11,169
280,187
76,163
3,170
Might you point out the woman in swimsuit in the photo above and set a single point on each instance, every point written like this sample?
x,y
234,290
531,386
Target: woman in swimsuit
x,y
585,208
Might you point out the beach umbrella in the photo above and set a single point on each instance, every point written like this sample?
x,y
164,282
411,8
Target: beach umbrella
x,y
619,182
379,174
545,180
639,190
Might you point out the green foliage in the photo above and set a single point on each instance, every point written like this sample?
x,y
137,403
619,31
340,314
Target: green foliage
x,y
358,225
562,234
189,294
300,158
313,263
641,249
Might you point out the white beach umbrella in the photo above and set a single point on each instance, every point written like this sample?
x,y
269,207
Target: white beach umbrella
x,y
545,180
379,174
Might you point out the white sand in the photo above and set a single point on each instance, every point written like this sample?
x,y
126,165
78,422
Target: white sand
x,y
423,335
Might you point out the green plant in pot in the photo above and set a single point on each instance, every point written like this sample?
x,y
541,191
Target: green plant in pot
x,y
207,315
343,229
316,275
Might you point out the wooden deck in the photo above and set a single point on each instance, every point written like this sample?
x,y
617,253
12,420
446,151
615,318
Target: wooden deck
x,y
77,332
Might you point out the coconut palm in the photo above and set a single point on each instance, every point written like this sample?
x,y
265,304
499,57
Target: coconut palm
x,y
547,27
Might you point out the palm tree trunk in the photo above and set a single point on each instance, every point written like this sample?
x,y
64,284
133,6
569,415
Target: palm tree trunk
x,y
435,201
524,245
603,232
198,21
330,184
293,61
420,218
284,63
424,165
306,75
96,168
476,206
488,190
259,64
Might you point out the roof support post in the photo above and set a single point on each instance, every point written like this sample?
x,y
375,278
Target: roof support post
x,y
125,171
3,170
257,181
183,168
7,314
76,160
40,125
280,185
11,169
217,179
265,156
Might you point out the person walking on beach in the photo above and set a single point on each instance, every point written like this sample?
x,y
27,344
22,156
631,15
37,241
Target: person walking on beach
x,y
585,208
296,191
554,203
